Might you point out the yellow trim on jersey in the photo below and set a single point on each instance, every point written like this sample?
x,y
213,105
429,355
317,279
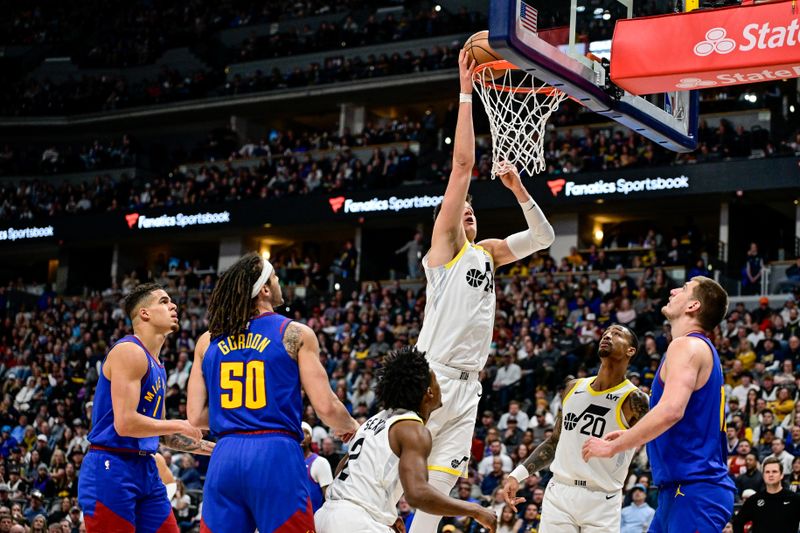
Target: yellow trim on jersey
x,y
619,409
445,469
593,392
400,418
578,382
722,426
484,250
454,260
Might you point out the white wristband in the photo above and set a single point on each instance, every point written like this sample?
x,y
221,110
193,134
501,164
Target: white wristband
x,y
464,98
520,473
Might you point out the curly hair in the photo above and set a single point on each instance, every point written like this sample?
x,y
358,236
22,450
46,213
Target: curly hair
x,y
230,306
403,379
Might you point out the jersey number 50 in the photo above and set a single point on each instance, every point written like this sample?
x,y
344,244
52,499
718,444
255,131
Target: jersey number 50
x,y
250,391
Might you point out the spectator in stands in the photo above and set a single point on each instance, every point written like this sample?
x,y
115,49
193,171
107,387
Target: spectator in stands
x,y
751,478
514,411
35,506
772,509
753,271
188,473
637,516
414,251
507,376
779,452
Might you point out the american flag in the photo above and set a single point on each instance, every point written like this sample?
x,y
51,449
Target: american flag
x,y
528,17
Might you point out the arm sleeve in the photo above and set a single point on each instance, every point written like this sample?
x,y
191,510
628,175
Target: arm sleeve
x,y
538,236
321,472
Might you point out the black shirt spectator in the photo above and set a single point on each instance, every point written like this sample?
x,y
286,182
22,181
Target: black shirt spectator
x,y
773,509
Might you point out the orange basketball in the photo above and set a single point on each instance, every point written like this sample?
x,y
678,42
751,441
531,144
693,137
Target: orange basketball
x,y
477,47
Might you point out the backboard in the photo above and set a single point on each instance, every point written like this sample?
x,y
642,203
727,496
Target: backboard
x,y
567,44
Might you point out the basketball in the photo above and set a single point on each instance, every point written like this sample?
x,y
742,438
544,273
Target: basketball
x,y
477,46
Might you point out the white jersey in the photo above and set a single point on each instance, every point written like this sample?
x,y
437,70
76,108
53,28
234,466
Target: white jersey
x,y
371,478
459,311
589,413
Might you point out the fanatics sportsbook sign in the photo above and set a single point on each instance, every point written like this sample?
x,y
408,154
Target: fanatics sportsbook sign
x,y
176,221
24,234
621,186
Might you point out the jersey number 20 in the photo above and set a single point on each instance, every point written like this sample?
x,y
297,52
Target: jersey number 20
x,y
244,385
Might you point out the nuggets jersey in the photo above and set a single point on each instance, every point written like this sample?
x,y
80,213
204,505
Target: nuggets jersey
x,y
589,413
459,311
371,478
694,449
253,383
151,404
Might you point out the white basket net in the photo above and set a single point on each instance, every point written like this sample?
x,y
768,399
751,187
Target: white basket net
x,y
518,111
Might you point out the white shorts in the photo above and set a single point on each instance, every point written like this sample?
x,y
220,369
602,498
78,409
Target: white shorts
x,y
568,509
336,516
452,425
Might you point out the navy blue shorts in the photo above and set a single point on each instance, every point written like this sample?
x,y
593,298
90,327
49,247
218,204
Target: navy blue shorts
x,y
122,493
699,507
257,481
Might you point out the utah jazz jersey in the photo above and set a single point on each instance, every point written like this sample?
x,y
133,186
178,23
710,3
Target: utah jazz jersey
x,y
459,311
589,413
695,448
253,383
151,404
371,477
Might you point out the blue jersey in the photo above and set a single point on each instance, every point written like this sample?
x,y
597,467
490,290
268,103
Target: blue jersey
x,y
314,490
695,448
253,383
151,404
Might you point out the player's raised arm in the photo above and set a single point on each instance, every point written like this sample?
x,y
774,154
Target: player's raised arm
x,y
411,442
301,343
448,232
684,360
197,395
538,236
125,367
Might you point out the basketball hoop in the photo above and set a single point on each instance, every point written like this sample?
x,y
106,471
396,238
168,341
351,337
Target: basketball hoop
x,y
518,111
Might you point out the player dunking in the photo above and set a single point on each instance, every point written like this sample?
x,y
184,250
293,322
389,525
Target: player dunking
x,y
685,430
389,456
585,497
245,386
460,307
119,487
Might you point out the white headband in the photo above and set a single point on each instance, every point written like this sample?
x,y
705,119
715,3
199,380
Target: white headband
x,y
266,272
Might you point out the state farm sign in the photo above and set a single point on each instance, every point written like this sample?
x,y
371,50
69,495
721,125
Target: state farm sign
x,y
706,48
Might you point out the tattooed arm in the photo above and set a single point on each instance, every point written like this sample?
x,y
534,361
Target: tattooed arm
x,y
301,344
182,443
539,459
544,454
635,407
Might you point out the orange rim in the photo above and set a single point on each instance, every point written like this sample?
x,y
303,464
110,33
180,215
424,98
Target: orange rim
x,y
502,64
